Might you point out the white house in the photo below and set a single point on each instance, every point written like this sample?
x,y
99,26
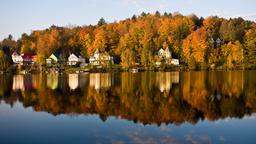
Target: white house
x,y
28,59
175,61
164,53
72,59
98,58
16,58
161,52
52,59
167,57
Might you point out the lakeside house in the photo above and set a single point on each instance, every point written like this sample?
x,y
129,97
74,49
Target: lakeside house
x,y
16,58
52,59
166,57
175,62
99,58
164,53
23,59
28,59
72,59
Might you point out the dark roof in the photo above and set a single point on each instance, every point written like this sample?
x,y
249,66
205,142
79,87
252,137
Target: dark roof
x,y
28,56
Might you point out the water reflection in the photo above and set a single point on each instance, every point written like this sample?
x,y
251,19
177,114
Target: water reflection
x,y
73,81
165,80
52,80
149,97
18,83
100,81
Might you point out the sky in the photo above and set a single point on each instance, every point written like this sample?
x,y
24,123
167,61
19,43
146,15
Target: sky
x,y
23,16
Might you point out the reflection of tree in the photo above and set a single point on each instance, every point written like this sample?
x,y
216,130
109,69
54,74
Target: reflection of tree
x,y
136,97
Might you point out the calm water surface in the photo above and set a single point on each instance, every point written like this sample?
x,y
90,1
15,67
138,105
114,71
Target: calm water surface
x,y
148,107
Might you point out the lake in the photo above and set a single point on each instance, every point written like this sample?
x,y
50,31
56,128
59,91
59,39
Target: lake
x,y
145,107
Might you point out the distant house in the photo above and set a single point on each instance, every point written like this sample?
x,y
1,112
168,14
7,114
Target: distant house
x,y
24,59
52,59
28,59
99,58
72,59
82,62
166,56
161,52
175,61
81,59
16,58
164,53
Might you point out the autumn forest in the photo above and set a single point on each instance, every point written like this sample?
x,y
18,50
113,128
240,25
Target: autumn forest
x,y
199,43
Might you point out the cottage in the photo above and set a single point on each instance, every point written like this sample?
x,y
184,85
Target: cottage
x,y
164,53
161,53
82,62
16,58
28,59
72,59
175,61
166,56
100,58
51,60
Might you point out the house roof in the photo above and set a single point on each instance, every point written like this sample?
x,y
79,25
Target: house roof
x,y
28,56
53,56
73,55
15,53
161,49
167,49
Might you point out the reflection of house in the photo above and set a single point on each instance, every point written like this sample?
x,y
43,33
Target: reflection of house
x,y
22,82
18,82
100,58
166,79
52,81
100,80
16,58
73,81
51,60
73,59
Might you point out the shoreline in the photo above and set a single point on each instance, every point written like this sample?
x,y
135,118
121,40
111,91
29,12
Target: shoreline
x,y
108,70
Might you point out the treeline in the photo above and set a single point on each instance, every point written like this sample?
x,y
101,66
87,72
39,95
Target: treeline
x,y
199,43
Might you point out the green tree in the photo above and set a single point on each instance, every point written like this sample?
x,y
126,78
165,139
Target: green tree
x,y
233,53
101,22
250,48
4,62
232,30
